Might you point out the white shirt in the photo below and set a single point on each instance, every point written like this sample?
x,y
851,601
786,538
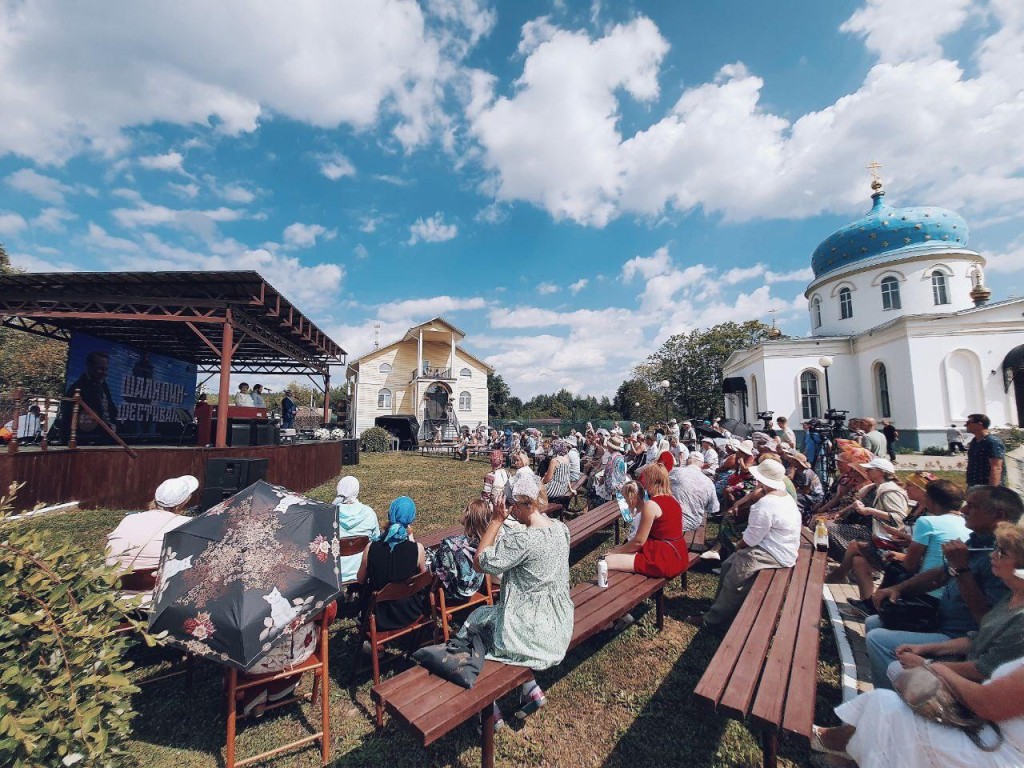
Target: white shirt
x,y
788,436
695,493
673,431
136,543
710,460
28,426
244,399
774,526
574,465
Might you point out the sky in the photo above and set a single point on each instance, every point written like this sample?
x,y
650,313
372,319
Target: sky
x,y
570,183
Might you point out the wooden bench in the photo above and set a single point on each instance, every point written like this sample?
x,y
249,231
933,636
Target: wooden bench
x,y
433,707
765,670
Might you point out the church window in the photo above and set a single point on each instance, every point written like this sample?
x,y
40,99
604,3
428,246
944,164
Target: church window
x,y
466,373
939,291
845,304
384,368
816,312
810,400
882,380
384,398
465,401
891,293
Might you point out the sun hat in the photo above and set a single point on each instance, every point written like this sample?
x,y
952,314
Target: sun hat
x,y
708,440
614,442
732,444
770,473
348,490
878,462
672,421
603,432
526,484
746,446
800,459
174,491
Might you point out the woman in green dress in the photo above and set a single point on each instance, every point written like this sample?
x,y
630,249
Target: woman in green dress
x,y
532,623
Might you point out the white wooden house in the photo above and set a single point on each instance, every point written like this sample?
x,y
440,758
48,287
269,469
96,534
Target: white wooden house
x,y
425,374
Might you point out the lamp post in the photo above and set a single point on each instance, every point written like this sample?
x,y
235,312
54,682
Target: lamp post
x,y
665,384
826,363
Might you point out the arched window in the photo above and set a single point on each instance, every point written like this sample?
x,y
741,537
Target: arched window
x,y
384,368
810,400
465,401
816,312
882,384
466,373
845,304
384,398
891,293
939,292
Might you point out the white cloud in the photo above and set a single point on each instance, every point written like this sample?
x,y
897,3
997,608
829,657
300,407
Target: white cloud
x,y
369,224
169,161
202,222
578,286
804,275
45,188
432,230
236,193
1009,260
421,310
52,219
740,274
897,30
11,223
336,166
360,251
76,76
189,190
31,263
547,288
299,235
98,239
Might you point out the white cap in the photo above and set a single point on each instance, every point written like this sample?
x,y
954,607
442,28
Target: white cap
x,y
877,462
170,493
770,473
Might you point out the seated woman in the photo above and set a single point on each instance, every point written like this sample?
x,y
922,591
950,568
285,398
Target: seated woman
x,y
394,558
452,559
880,730
809,492
532,623
496,479
658,548
354,519
556,478
462,448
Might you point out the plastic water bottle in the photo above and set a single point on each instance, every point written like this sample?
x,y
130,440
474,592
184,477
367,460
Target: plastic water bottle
x,y
627,516
602,572
821,536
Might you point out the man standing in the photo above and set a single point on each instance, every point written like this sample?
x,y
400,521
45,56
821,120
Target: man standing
x,y
688,436
288,410
786,435
986,454
873,440
892,437
694,491
673,429
96,394
955,438
969,588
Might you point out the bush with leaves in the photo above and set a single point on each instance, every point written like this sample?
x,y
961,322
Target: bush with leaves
x,y
935,450
376,440
64,697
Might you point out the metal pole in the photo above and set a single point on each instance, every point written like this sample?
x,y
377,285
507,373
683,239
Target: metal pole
x,y
828,393
327,398
224,392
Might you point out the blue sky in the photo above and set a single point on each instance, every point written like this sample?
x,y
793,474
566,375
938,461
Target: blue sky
x,y
570,183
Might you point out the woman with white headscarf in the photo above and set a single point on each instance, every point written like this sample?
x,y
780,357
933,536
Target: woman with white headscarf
x,y
354,519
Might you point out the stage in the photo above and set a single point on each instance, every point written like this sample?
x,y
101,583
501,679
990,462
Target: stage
x,y
109,478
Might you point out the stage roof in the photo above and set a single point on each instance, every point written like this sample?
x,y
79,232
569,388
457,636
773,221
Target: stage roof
x,y
178,314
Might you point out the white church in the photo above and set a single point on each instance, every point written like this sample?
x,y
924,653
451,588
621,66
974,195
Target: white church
x,y
901,329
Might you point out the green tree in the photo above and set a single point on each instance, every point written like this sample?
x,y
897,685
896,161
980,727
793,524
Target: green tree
x,y
692,363
498,395
636,401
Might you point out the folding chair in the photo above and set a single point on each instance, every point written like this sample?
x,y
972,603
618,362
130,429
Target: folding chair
x,y
237,682
483,596
142,583
421,582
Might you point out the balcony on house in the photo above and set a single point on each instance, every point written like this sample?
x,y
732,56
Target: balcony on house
x,y
430,372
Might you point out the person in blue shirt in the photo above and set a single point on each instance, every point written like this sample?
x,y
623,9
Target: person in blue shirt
x,y
812,445
969,588
288,410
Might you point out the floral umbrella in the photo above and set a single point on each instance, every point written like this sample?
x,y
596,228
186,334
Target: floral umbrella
x,y
240,578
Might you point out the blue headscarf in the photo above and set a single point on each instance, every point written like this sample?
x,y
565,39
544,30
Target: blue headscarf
x,y
401,513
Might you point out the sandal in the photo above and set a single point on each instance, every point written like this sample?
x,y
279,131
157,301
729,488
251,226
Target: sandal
x,y
817,745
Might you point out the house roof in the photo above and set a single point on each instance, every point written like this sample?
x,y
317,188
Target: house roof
x,y
412,335
431,325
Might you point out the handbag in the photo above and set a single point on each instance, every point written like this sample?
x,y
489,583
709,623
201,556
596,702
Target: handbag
x,y
929,697
459,660
918,613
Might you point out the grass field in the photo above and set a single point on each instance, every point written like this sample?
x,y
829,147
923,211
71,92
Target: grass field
x,y
615,701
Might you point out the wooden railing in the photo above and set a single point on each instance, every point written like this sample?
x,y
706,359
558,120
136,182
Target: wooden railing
x,y
78,407
432,373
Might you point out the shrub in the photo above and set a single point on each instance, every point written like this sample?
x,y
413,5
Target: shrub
x,y
376,440
64,696
935,450
1012,438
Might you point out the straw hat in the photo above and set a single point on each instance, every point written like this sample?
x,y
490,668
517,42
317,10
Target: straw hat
x,y
614,442
746,446
770,473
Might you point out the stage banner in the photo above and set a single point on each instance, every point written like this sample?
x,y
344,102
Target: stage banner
x,y
145,394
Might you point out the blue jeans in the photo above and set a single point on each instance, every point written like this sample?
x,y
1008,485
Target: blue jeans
x,y
882,644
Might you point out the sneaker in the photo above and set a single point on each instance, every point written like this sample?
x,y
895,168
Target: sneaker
x,y
535,702
623,623
711,554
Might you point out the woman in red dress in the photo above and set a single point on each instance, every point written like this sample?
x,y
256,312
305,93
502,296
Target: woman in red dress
x,y
658,548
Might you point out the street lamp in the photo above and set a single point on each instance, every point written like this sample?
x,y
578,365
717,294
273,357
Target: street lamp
x,y
826,362
665,384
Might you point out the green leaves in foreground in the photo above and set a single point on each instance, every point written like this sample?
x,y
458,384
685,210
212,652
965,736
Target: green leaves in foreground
x,y
64,697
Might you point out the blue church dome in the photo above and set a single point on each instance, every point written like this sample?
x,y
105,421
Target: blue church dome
x,y
890,232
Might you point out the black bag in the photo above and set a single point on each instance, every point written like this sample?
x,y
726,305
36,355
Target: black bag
x,y
894,573
458,661
919,613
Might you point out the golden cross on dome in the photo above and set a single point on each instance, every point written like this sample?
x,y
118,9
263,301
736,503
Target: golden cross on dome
x,y
873,167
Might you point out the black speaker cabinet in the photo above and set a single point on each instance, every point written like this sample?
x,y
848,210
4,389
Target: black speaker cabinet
x,y
349,452
266,434
240,434
214,496
256,470
226,473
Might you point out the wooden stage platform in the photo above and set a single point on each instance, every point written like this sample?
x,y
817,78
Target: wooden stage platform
x,y
110,478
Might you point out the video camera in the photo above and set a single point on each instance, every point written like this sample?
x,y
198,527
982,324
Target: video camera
x,y
833,425
766,417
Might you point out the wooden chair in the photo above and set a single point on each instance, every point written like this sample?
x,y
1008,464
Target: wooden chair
x,y
138,582
421,582
236,683
483,596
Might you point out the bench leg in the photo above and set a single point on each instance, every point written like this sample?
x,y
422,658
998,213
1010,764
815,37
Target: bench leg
x,y
616,531
659,604
682,581
769,745
487,737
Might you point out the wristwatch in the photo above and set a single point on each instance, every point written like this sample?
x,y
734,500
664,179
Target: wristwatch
x,y
954,572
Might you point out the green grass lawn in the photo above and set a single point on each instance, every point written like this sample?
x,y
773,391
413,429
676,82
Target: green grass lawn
x,y
621,701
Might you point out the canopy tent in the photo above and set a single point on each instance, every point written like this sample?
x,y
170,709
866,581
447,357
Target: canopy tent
x,y
220,321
